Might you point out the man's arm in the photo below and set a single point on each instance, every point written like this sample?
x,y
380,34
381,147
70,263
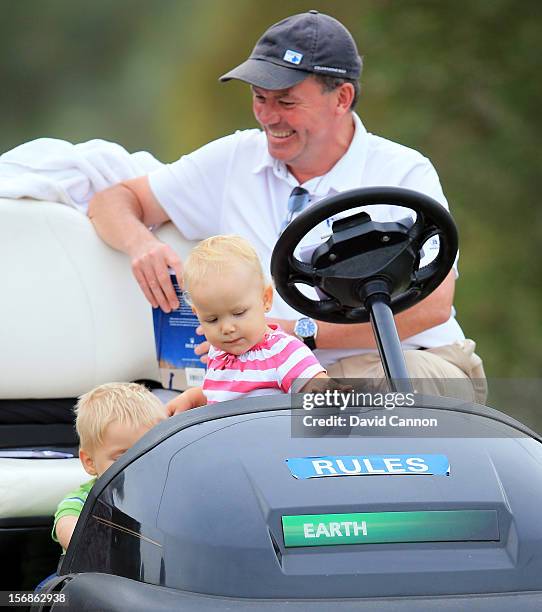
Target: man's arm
x,y
433,310
122,215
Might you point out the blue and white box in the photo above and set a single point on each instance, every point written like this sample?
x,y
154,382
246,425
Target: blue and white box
x,y
175,338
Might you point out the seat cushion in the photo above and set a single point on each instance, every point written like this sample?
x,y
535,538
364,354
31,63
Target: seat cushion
x,y
73,315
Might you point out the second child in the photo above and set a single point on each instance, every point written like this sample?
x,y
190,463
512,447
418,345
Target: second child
x,y
109,420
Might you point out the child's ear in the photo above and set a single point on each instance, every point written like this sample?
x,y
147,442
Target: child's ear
x,y
88,462
268,298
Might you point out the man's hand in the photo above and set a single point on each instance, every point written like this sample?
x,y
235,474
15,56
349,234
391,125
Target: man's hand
x,y
122,216
151,262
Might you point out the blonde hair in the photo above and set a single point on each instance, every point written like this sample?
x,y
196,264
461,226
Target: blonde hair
x,y
216,254
127,403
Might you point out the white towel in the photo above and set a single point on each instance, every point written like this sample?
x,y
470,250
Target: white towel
x,y
59,171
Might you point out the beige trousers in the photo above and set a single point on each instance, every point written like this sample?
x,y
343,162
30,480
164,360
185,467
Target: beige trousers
x,y
454,370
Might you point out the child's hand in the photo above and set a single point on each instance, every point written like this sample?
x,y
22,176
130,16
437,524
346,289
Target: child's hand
x,y
202,349
179,404
191,398
322,383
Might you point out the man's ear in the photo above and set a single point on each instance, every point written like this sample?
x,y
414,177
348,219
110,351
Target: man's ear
x,y
345,95
268,298
88,462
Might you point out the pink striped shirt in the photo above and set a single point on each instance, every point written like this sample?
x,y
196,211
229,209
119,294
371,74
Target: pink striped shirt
x,y
269,367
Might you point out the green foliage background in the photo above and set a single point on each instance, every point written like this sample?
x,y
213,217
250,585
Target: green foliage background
x,y
457,80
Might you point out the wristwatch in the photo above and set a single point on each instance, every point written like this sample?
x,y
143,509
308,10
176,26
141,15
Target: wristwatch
x,y
306,329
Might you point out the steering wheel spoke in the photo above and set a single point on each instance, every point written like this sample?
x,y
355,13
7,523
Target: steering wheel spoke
x,y
301,272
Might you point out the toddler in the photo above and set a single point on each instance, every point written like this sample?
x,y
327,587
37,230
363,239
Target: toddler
x,y
225,285
109,420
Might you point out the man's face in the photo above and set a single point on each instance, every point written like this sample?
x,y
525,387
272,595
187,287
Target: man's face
x,y
300,123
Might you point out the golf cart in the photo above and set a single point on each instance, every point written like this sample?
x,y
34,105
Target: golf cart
x,y
246,505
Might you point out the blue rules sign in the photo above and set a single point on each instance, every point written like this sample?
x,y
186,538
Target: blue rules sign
x,y
368,465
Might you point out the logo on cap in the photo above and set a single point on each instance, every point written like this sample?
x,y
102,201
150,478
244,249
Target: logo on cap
x,y
330,69
294,57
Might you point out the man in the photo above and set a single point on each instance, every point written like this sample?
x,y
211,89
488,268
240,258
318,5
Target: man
x,y
304,75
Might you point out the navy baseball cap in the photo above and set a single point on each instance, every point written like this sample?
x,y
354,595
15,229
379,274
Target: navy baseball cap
x,y
300,45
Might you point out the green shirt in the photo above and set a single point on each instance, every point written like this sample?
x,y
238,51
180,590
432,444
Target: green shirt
x,y
72,504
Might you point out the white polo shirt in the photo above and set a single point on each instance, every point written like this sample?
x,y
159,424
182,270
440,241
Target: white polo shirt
x,y
233,186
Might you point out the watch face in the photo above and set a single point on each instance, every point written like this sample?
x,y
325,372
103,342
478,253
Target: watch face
x,y
305,328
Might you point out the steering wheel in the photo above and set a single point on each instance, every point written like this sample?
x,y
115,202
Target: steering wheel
x,y
362,256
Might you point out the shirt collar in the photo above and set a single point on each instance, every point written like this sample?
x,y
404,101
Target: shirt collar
x,y
265,160
345,174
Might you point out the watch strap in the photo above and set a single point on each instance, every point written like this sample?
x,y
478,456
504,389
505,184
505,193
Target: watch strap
x,y
310,341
